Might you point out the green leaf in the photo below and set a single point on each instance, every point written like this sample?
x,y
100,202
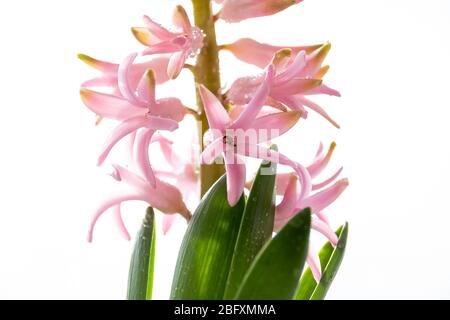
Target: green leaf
x,y
330,260
276,270
256,226
140,277
207,249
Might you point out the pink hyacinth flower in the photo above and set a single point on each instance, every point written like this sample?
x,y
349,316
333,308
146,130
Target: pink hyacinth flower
x,y
297,77
292,201
241,137
109,72
165,198
181,44
137,110
238,10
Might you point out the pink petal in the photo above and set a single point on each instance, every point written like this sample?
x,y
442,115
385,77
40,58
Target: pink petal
x,y
321,161
293,70
142,157
162,47
237,10
181,20
170,108
119,221
103,66
235,177
282,182
314,264
105,206
315,60
323,184
122,130
146,88
212,151
123,80
274,125
176,64
109,106
249,114
322,199
169,155
168,221
157,30
315,107
259,152
261,54
326,230
286,208
215,112
295,86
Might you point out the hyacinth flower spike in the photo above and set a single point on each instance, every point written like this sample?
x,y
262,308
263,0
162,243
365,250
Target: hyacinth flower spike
x,y
297,77
238,10
165,198
184,43
136,109
229,137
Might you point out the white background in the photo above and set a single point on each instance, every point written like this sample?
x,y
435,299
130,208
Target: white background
x,y
390,60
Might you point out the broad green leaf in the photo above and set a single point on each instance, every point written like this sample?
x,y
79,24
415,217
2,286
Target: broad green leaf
x,y
276,270
205,255
256,226
140,277
330,260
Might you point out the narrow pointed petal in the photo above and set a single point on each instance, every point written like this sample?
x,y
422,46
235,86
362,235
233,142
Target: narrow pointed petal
x,y
321,161
316,59
282,182
322,217
144,36
294,69
250,113
295,86
281,58
170,156
125,88
168,221
325,183
122,130
157,30
260,152
119,221
322,199
212,151
218,117
261,54
315,107
142,157
109,106
107,205
181,19
314,264
235,177
326,230
274,125
146,87
176,64
162,47
102,66
238,10
323,89
286,208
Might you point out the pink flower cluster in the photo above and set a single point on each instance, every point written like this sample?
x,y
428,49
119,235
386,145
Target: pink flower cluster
x,y
258,109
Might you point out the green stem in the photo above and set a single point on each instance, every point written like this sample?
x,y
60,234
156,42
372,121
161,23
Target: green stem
x,y
207,72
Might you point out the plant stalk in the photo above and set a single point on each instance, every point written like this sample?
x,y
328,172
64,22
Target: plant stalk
x,y
207,72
